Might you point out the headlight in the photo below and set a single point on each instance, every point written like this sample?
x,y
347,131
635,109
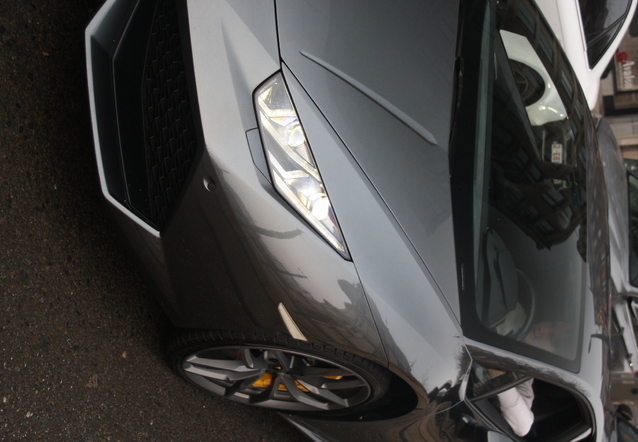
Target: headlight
x,y
292,166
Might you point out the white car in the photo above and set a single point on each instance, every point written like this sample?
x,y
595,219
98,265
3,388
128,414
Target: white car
x,y
590,32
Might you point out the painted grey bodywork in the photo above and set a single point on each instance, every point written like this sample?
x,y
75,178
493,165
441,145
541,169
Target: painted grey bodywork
x,y
378,120
230,256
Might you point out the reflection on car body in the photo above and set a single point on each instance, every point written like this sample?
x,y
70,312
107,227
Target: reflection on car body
x,y
373,218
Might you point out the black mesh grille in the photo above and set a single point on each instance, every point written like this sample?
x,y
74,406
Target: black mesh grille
x,y
169,131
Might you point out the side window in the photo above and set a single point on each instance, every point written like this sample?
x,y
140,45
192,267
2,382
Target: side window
x,y
597,46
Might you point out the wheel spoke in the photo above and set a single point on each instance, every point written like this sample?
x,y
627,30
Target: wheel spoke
x,y
275,387
325,394
241,385
222,375
283,359
340,384
224,364
268,394
248,358
302,397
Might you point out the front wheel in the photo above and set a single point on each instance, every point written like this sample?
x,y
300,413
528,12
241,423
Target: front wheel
x,y
277,372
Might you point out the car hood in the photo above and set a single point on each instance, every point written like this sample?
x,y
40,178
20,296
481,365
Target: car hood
x,y
377,119
392,110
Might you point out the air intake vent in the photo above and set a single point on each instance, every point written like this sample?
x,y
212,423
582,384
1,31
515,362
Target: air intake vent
x,y
169,132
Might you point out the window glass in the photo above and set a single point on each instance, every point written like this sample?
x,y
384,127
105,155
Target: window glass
x,y
601,20
626,432
522,177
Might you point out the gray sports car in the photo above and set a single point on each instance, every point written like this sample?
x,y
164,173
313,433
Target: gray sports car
x,y
380,218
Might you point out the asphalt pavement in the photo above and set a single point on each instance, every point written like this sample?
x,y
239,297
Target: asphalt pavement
x,y
81,338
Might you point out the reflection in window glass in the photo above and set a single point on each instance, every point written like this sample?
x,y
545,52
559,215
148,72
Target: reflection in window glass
x,y
526,262
602,20
528,200
626,432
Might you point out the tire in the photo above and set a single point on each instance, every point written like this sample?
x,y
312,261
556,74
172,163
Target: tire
x,y
530,84
277,372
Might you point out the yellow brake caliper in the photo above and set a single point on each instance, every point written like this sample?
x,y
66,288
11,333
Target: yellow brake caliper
x,y
266,380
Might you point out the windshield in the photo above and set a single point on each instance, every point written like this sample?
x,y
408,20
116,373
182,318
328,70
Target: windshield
x,y
518,164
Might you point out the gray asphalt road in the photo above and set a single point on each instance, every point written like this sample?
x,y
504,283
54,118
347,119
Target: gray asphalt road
x,y
81,337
